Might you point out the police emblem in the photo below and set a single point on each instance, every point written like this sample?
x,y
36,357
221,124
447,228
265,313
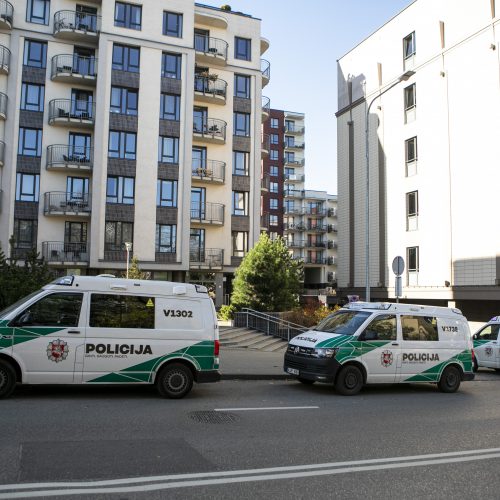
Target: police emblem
x,y
57,350
488,351
386,358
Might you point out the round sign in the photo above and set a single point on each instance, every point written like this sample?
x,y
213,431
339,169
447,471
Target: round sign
x,y
398,265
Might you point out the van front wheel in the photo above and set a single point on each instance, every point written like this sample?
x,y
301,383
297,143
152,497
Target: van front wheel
x,y
7,379
174,381
349,381
450,379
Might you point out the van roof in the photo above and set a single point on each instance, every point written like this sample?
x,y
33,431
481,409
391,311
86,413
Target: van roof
x,y
109,284
406,308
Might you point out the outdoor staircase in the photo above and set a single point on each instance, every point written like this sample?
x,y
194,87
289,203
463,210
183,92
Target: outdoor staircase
x,y
240,337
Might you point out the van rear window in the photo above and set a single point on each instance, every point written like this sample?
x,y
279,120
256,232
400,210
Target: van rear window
x,y
121,311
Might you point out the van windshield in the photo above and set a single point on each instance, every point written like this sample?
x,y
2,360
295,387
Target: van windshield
x,y
343,322
15,305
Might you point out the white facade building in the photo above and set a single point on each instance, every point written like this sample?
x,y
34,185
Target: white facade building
x,y
432,155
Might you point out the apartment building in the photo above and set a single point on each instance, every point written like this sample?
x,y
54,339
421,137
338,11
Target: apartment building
x,y
427,83
131,129
305,218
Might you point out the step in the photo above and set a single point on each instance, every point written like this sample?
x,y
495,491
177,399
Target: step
x,y
234,335
232,329
267,343
242,338
276,348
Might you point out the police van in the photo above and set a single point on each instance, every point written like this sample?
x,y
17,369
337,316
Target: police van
x,y
371,343
106,330
487,345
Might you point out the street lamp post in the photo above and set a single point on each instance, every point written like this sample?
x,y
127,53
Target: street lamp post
x,y
403,78
128,247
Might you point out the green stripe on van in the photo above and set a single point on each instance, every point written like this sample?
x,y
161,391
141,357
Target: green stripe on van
x,y
434,374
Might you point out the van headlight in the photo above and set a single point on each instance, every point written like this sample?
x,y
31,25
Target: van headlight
x,y
324,353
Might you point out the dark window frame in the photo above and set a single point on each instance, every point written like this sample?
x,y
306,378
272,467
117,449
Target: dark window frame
x,y
246,158
122,152
244,80
121,58
238,198
125,107
32,18
37,105
127,19
21,147
166,158
169,247
242,48
29,46
34,193
238,129
177,62
119,238
166,193
120,188
165,114
174,30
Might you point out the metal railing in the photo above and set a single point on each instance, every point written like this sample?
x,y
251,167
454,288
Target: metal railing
x,y
211,213
294,226
71,109
3,104
211,46
266,142
59,251
74,65
265,68
264,220
294,145
294,129
76,21
294,177
320,228
265,182
295,243
62,155
4,58
6,11
266,104
213,170
293,193
210,86
268,324
207,257
2,152
66,202
211,128
314,260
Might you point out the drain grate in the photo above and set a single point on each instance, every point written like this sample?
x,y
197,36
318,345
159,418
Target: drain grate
x,y
213,417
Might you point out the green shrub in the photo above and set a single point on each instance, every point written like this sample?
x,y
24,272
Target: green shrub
x,y
226,313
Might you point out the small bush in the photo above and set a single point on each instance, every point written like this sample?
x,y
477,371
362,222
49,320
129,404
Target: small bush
x,y
226,313
309,315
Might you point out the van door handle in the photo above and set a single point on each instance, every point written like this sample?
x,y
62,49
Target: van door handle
x,y
73,331
395,343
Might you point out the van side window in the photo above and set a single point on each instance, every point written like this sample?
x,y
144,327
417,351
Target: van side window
x,y
419,328
56,309
121,311
381,328
489,332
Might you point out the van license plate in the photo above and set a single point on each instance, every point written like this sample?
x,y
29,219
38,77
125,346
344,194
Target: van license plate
x,y
292,371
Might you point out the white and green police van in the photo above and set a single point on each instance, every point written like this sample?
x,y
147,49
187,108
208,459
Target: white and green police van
x,y
372,343
105,330
487,345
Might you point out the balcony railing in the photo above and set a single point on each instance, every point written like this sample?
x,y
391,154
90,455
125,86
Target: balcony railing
x,y
265,183
294,145
209,170
294,163
266,107
73,65
211,128
265,68
61,252
2,153
264,220
61,203
6,14
318,212
3,106
294,226
72,21
295,243
332,244
293,129
293,193
71,111
316,244
319,229
4,60
207,213
211,47
72,157
209,87
266,142
315,260
208,258
294,178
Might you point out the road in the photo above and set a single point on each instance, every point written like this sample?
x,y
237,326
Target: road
x,y
250,439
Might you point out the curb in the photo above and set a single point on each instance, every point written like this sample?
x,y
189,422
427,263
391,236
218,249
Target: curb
x,y
254,376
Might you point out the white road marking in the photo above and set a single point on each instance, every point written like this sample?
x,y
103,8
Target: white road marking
x,y
242,476
269,408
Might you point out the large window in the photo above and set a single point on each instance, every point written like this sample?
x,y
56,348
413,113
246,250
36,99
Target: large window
x,y
273,187
240,162
240,243
120,190
242,86
128,15
123,101
166,193
30,142
274,123
171,65
240,203
411,156
27,187
289,157
121,311
172,24
409,46
273,220
242,124
166,236
32,97
242,48
274,154
25,233
410,102
170,107
273,203
412,259
75,232
275,139
383,327
126,58
35,54
412,211
122,145
274,171
116,234
38,11
417,328
168,149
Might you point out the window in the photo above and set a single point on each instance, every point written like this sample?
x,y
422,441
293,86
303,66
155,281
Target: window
x,y
274,123
240,243
413,265
409,46
126,58
116,234
240,203
128,15
289,171
122,311
171,65
172,24
489,332
170,107
273,203
289,157
242,48
35,54
412,211
25,233
273,187
289,141
273,220
38,11
275,139
166,193
32,97
242,124
199,157
242,86
79,147
30,142
200,118
274,154
123,101
77,189
120,190
75,232
274,170
417,328
27,187
410,96
289,126
240,163
197,245
57,309
122,145
166,236
411,156
168,150
383,327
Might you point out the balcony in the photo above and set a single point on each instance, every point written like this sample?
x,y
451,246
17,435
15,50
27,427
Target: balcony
x,y
293,163
316,229
3,106
264,221
210,89
265,69
293,193
208,258
59,252
61,157
4,60
77,26
293,210
294,226
210,19
294,146
295,243
208,50
72,68
315,261
294,129
265,145
72,113
294,178
207,213
331,228
212,171
266,108
265,183
211,130
332,244
66,203
6,15
317,212
264,44
2,153
315,244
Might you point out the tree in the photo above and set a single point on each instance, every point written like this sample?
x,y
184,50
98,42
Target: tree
x,y
268,278
134,272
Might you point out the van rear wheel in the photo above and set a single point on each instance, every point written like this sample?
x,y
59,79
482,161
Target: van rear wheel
x,y
349,380
7,379
174,381
450,379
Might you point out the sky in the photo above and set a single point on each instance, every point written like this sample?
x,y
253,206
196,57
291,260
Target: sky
x,y
306,39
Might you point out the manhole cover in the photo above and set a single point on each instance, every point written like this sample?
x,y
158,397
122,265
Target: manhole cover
x,y
213,417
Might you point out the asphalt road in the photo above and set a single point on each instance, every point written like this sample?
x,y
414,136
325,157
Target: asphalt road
x,y
250,439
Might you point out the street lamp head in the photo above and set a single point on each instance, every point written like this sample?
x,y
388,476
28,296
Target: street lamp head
x,y
406,75
128,246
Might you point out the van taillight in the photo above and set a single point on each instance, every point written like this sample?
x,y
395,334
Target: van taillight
x,y
473,355
216,348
